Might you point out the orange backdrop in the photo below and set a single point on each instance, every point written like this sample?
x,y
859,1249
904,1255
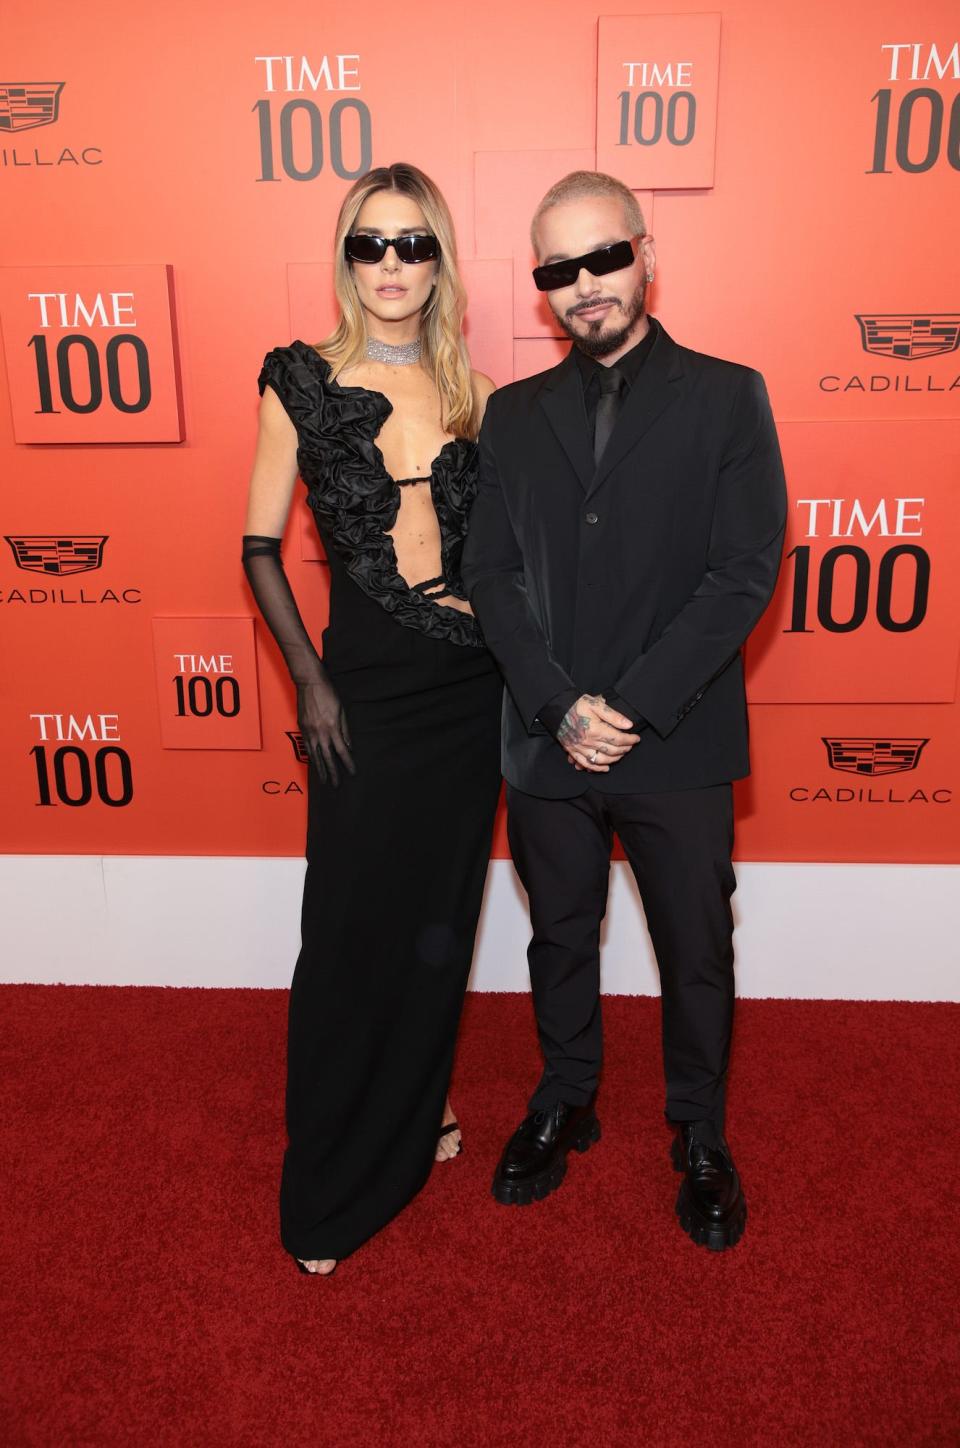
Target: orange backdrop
x,y
171,178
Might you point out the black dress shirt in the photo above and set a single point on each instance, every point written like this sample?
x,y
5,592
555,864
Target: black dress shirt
x,y
630,366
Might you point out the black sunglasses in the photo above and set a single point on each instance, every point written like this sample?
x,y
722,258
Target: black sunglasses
x,y
366,248
564,273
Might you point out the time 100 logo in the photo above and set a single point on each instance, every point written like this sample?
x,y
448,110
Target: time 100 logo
x,y
922,128
56,386
903,569
299,136
645,118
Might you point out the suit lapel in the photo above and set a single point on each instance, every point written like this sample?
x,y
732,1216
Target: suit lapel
x,y
561,397
657,388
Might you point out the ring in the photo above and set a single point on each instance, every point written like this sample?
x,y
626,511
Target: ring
x,y
593,757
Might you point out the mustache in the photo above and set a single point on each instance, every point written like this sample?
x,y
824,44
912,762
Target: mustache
x,y
593,302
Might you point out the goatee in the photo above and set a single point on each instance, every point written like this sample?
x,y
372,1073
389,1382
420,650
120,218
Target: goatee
x,y
597,343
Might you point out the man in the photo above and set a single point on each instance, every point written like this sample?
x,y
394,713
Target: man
x,y
624,542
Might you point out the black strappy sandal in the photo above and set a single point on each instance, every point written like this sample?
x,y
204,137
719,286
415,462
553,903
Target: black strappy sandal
x,y
446,1130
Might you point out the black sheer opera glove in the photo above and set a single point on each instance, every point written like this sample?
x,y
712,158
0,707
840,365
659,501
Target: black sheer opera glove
x,y
319,711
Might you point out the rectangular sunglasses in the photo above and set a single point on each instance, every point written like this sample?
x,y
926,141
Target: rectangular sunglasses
x,y
564,273
367,248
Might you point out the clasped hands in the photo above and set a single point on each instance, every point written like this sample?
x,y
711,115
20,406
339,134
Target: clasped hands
x,y
594,736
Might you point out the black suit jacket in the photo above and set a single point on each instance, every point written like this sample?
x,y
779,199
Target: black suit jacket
x,y
642,576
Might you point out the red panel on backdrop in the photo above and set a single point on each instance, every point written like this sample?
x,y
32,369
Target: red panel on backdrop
x,y
875,782
207,683
868,598
823,253
657,82
878,353
90,353
488,325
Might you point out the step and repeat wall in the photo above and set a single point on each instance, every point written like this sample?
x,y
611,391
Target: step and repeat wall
x,y
171,178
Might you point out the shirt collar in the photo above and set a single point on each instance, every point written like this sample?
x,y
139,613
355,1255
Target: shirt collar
x,y
629,364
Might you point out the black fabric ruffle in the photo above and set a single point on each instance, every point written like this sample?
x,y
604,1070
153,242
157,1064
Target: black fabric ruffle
x,y
355,499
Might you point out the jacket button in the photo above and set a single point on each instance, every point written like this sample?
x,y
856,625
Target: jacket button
x,y
591,518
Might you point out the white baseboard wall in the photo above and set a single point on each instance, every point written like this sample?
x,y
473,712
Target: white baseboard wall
x,y
858,932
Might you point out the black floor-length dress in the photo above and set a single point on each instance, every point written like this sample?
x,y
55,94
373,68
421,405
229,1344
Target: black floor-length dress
x,y
397,854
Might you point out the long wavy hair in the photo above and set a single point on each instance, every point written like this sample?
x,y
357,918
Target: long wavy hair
x,y
444,352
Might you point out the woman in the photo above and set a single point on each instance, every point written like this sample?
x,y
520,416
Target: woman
x,y
400,719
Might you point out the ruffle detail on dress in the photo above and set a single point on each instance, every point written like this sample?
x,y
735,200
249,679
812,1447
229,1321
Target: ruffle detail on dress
x,y
355,498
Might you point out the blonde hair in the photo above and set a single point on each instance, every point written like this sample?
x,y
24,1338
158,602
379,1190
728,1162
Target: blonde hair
x,y
580,184
444,352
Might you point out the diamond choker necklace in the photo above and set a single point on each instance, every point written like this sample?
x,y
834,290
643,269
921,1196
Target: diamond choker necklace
x,y
399,354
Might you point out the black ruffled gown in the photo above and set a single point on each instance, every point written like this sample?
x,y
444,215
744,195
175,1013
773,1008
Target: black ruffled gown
x,y
397,854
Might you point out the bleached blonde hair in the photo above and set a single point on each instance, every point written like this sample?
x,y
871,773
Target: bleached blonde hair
x,y
579,184
444,351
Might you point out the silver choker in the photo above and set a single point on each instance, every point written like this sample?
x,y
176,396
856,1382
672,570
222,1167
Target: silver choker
x,y
396,354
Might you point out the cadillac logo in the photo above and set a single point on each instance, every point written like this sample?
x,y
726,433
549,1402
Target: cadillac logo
x,y
907,338
297,744
30,103
874,756
50,554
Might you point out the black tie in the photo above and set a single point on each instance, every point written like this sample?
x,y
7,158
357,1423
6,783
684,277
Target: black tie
x,y
611,393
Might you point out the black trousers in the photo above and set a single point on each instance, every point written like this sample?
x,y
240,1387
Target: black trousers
x,y
679,846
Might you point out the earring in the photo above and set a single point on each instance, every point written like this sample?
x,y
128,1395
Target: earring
x,y
649,276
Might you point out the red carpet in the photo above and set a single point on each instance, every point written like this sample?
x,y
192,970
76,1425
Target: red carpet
x,y
147,1300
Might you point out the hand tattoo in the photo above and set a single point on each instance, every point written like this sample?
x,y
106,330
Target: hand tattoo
x,y
575,727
